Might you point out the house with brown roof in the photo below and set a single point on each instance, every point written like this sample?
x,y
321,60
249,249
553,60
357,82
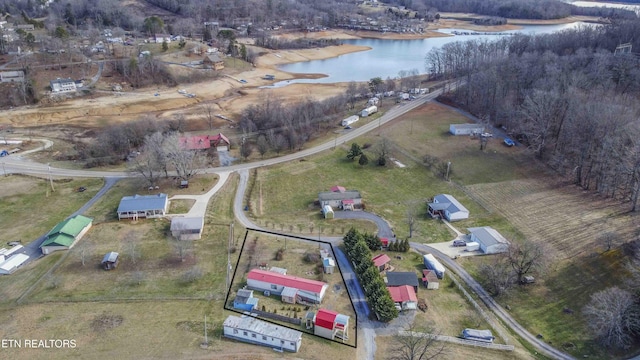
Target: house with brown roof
x,y
213,61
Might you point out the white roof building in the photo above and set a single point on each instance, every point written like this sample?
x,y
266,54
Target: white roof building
x,y
254,331
13,263
490,240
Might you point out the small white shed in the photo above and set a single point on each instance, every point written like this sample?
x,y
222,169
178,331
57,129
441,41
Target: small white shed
x,y
327,211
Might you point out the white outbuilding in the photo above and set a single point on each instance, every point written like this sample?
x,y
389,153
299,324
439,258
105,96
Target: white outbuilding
x,y
489,239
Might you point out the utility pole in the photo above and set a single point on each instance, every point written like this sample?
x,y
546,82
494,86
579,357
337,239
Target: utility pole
x,y
448,168
4,171
50,178
229,256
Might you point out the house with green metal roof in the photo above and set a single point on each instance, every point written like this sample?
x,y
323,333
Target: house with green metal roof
x,y
66,234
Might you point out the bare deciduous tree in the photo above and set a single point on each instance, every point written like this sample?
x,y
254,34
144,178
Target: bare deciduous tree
x,y
525,258
207,109
414,345
609,239
613,317
498,277
413,213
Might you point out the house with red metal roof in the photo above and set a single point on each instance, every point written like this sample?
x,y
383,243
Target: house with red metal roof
x,y
381,261
329,324
203,142
292,289
404,297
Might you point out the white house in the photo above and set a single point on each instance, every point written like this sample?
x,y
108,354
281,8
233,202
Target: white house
x,y
12,76
466,129
445,205
187,228
490,240
251,330
340,198
143,206
62,85
294,288
12,264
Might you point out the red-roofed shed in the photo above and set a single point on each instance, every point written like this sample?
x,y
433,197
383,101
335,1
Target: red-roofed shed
x,y
326,318
338,188
381,261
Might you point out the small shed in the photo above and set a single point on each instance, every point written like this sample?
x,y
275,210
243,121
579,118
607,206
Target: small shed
x,y
110,260
329,265
430,279
327,211
289,295
381,262
245,301
184,184
187,228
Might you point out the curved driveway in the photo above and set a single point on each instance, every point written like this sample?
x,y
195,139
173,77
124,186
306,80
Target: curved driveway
x,y
384,230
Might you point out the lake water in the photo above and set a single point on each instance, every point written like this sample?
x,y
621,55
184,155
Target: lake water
x,y
388,57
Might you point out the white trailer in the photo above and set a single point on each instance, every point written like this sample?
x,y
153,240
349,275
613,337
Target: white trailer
x,y
350,120
431,263
472,246
368,111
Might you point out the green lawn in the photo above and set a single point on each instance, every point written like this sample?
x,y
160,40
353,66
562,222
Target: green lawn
x,y
30,208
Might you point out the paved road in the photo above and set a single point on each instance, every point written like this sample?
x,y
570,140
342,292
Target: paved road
x,y
19,165
540,345
365,327
384,230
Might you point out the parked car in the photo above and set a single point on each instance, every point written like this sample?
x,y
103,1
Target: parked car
x,y
458,243
509,142
348,127
14,243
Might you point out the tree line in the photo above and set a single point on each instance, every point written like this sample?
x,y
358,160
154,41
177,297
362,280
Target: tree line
x,y
515,9
567,96
357,246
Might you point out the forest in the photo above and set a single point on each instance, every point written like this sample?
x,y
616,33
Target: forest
x,y
514,9
567,96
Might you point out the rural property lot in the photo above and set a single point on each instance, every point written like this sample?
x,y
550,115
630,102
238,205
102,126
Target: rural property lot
x,y
300,258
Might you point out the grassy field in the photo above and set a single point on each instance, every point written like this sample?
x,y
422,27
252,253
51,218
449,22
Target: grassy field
x,y
142,310
25,199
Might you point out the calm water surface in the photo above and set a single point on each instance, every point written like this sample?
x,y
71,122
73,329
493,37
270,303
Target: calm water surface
x,y
388,57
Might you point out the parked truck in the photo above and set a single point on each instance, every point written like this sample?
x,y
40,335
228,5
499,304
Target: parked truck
x,y
350,120
431,263
368,111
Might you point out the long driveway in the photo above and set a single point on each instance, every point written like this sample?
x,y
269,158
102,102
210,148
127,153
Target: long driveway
x,y
540,345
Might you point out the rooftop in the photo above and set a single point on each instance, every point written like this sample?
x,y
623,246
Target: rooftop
x,y
287,280
402,293
142,202
66,231
399,278
331,195
452,204
261,327
488,235
380,260
187,223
